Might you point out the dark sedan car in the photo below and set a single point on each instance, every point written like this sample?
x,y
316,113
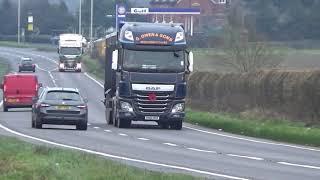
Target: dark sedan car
x,y
60,106
26,64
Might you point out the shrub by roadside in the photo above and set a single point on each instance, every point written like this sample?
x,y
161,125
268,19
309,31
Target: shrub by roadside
x,y
19,160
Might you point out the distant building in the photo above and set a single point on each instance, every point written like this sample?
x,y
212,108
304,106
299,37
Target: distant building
x,y
213,13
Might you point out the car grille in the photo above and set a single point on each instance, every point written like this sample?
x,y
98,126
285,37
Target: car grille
x,y
161,104
62,112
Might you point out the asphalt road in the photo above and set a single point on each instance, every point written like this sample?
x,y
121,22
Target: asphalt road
x,y
194,150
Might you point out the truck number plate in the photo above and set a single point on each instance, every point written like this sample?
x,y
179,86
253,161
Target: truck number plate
x,y
152,118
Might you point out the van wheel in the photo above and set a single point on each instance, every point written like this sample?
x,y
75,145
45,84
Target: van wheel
x,y
5,108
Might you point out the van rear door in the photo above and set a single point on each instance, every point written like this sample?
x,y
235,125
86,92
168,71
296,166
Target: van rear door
x,y
21,88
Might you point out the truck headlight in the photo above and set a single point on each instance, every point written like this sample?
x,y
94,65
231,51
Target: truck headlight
x,y
178,108
128,35
61,65
78,65
126,106
179,36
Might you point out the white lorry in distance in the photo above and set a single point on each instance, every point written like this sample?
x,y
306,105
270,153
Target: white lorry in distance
x,y
70,52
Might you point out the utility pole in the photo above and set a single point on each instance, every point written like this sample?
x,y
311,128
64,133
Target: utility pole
x,y
19,13
91,26
80,16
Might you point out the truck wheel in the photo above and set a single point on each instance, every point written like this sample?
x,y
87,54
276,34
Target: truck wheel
x,y
177,125
163,125
82,125
123,123
38,123
109,117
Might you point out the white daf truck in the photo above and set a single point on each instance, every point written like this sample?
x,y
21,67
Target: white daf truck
x,y
70,52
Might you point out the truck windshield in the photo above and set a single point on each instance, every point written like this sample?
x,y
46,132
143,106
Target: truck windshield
x,y
70,51
153,61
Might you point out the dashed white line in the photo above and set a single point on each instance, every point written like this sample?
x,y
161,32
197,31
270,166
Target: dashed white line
x,y
96,127
122,157
121,134
200,150
252,140
299,165
109,131
144,139
170,144
89,124
246,157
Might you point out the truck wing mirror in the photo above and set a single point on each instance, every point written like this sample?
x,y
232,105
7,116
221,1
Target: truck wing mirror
x,y
190,59
115,60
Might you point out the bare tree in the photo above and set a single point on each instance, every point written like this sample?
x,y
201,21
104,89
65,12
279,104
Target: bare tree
x,y
244,51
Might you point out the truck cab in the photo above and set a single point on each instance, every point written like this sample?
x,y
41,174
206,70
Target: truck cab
x,y
70,52
147,77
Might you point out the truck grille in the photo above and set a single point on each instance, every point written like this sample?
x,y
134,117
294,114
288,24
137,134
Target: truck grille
x,y
160,102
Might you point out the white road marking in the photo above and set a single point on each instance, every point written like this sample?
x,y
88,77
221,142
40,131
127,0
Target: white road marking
x,y
89,124
93,79
144,139
246,157
121,134
96,127
229,136
299,165
122,157
170,144
52,78
251,140
200,150
109,131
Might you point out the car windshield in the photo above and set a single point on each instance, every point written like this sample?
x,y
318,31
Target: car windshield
x,y
70,51
63,96
154,61
26,62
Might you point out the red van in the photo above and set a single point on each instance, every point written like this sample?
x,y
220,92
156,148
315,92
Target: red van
x,y
19,90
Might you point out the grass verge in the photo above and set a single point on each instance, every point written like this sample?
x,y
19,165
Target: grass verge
x,y
93,66
279,130
20,160
39,47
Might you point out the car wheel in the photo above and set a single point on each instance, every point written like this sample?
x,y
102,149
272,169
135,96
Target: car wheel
x,y
5,108
82,125
38,123
177,125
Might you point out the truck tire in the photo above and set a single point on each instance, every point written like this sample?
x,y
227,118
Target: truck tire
x,y
123,123
82,126
163,125
109,117
177,125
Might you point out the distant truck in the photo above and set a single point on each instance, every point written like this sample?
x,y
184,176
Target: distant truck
x,y
147,67
70,52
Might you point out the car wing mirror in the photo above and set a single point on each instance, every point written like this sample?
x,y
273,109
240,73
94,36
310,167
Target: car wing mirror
x,y
1,86
40,85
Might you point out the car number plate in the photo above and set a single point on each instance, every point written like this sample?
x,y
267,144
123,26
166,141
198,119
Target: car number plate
x,y
62,107
152,118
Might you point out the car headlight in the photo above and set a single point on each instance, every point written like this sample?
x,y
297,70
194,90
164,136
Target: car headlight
x,y
128,35
179,36
178,108
126,106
